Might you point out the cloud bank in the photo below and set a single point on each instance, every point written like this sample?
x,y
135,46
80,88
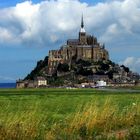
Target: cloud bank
x,y
48,22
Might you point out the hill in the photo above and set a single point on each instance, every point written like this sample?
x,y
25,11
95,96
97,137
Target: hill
x,y
83,71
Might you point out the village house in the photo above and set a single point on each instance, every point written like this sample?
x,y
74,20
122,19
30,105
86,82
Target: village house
x,y
38,82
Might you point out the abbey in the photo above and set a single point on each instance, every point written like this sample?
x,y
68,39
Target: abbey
x,y
86,47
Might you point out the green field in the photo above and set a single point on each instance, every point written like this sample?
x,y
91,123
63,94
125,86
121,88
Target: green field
x,y
62,114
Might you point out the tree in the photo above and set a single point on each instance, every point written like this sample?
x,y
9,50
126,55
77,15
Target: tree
x,y
104,67
110,74
37,70
84,71
83,62
126,69
63,67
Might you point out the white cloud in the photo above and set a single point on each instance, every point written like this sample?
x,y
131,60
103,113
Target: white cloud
x,y
133,63
51,21
111,32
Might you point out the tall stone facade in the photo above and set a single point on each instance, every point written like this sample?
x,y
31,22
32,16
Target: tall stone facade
x,y
86,47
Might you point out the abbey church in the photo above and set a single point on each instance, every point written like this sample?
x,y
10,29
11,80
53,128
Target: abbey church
x,y
86,47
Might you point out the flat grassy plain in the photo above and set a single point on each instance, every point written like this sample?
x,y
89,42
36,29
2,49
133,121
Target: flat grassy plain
x,y
69,114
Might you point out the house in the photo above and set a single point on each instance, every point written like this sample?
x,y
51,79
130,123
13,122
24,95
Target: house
x,y
40,82
96,78
20,84
101,83
30,84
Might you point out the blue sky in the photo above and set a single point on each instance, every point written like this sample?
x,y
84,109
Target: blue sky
x,y
28,30
8,3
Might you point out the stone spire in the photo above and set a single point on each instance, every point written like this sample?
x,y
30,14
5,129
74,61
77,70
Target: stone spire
x,y
82,22
82,25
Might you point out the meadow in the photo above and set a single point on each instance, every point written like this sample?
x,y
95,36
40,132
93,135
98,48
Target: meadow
x,y
69,114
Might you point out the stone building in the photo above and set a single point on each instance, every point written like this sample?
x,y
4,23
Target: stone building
x,y
36,83
40,82
86,47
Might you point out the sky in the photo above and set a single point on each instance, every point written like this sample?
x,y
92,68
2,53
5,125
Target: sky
x,y
29,29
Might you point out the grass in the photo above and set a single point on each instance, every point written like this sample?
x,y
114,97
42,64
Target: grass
x,y
61,114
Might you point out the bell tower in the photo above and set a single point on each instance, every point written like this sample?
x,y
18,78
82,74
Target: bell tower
x,y
82,33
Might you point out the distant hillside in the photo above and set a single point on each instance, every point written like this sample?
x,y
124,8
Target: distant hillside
x,y
39,70
66,74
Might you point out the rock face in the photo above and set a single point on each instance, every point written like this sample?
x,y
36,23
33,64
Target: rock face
x,y
86,47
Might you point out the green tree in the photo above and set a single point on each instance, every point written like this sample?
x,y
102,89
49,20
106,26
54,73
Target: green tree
x,y
83,62
37,70
126,69
63,67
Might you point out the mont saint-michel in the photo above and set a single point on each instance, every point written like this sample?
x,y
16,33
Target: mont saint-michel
x,y
79,62
86,47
